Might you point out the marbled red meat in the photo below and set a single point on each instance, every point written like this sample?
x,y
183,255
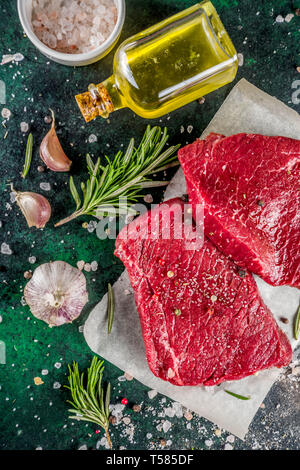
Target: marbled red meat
x,y
249,187
203,320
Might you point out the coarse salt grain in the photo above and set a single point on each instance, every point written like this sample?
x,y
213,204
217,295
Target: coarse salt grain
x,y
6,113
94,265
45,186
80,265
208,443
24,127
128,376
166,426
73,26
18,57
92,138
289,17
228,447
5,249
240,59
152,394
87,267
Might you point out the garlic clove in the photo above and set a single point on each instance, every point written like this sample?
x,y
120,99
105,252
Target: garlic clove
x,y
35,208
51,151
56,293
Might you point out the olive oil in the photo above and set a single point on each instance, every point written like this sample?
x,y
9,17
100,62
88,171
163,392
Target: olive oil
x,y
166,66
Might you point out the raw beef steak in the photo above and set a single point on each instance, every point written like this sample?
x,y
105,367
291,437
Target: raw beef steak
x,y
249,186
202,319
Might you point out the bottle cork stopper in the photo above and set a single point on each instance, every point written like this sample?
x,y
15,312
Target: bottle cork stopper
x,y
95,102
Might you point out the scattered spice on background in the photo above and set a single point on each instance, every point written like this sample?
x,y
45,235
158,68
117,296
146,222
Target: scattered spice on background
x,y
38,381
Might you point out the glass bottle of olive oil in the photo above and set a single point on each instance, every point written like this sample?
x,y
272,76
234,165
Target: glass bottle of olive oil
x,y
166,66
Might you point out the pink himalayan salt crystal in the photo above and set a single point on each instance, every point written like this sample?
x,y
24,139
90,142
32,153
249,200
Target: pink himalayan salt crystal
x,y
73,26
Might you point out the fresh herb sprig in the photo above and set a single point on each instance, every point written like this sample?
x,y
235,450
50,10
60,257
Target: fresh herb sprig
x,y
236,395
114,188
90,403
28,156
110,308
297,325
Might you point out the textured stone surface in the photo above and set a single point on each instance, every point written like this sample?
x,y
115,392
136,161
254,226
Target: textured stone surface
x,y
36,416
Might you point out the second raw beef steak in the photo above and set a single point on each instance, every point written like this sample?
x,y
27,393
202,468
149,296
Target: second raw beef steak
x,y
249,187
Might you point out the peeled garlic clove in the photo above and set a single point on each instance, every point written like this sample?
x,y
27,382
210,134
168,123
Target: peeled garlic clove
x,y
56,293
35,208
51,151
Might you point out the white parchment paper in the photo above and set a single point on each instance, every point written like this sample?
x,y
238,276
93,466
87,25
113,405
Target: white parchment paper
x,y
246,109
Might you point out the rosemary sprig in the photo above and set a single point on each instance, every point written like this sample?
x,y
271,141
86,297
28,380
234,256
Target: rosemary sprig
x,y
89,401
110,308
112,189
28,156
235,395
297,325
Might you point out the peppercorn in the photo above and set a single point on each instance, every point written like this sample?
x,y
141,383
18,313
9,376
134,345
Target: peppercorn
x,y
242,273
185,198
261,203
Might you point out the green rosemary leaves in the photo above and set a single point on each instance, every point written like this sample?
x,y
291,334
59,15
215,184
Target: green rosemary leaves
x,y
113,188
90,402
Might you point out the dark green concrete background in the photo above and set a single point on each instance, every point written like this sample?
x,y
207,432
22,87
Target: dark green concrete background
x,y
32,416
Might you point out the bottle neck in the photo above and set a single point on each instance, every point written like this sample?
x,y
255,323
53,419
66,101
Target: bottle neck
x,y
100,100
116,97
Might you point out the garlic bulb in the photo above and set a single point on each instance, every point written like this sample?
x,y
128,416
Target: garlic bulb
x,y
35,208
51,151
56,293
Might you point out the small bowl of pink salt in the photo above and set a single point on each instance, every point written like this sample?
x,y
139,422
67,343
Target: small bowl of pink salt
x,y
73,32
